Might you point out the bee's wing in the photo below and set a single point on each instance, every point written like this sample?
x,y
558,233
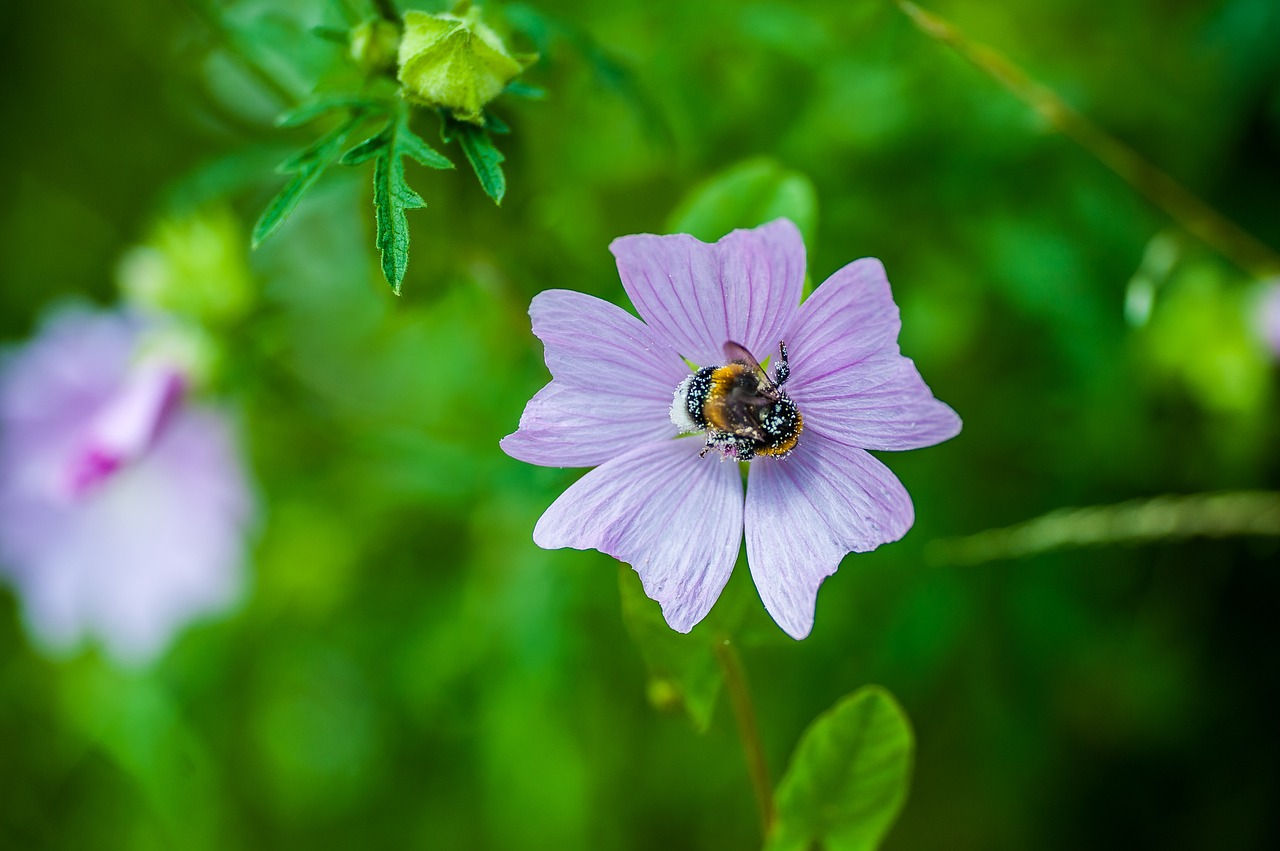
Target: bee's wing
x,y
738,352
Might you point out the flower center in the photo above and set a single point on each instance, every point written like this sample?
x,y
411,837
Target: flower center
x,y
126,427
742,411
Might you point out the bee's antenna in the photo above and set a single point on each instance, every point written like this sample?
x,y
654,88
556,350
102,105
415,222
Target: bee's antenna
x,y
783,371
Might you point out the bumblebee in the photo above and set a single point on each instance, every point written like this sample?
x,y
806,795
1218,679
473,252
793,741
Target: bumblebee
x,y
742,410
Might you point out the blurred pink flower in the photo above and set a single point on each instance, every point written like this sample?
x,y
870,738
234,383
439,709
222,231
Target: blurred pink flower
x,y
123,507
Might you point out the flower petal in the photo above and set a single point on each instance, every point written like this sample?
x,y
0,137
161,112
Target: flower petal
x,y
849,379
744,288
612,388
161,543
806,511
674,517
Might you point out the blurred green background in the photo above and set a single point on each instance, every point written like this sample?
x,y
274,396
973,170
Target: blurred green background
x,y
408,670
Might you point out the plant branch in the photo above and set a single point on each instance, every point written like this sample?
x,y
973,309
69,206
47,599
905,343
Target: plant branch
x,y
1163,518
1206,223
387,9
735,680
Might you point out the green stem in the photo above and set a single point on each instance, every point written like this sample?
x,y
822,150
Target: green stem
x,y
735,680
387,9
1163,518
1210,226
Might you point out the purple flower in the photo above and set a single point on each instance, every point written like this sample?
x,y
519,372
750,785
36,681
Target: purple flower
x,y
670,508
123,507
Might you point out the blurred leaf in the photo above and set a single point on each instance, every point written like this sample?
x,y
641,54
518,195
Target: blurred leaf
x,y
313,109
848,777
307,166
608,71
744,196
392,195
485,159
333,34
1199,336
683,668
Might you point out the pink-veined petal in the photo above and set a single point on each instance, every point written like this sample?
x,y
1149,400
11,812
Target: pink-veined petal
x,y
674,517
849,379
613,380
804,513
745,287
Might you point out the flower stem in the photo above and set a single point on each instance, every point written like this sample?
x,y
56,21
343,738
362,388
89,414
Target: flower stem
x,y
735,680
1206,223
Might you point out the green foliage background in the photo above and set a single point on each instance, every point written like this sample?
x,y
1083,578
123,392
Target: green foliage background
x,y
408,670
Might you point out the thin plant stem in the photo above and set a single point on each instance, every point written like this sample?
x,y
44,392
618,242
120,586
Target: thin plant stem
x,y
387,9
735,680
1141,521
1206,223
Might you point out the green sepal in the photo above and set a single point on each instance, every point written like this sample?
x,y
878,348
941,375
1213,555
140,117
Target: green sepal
x,y
306,166
496,125
519,89
683,672
485,159
848,777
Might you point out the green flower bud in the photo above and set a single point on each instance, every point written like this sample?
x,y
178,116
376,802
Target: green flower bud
x,y
455,62
195,267
373,45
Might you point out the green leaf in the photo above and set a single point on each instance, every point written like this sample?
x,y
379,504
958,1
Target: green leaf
x,y
392,195
744,195
307,165
369,148
312,110
848,777
525,90
683,670
333,34
485,159
414,146
494,124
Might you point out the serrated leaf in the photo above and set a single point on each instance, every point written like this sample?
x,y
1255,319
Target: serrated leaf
x,y
485,159
848,777
392,195
745,195
369,148
307,166
414,146
312,110
683,669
